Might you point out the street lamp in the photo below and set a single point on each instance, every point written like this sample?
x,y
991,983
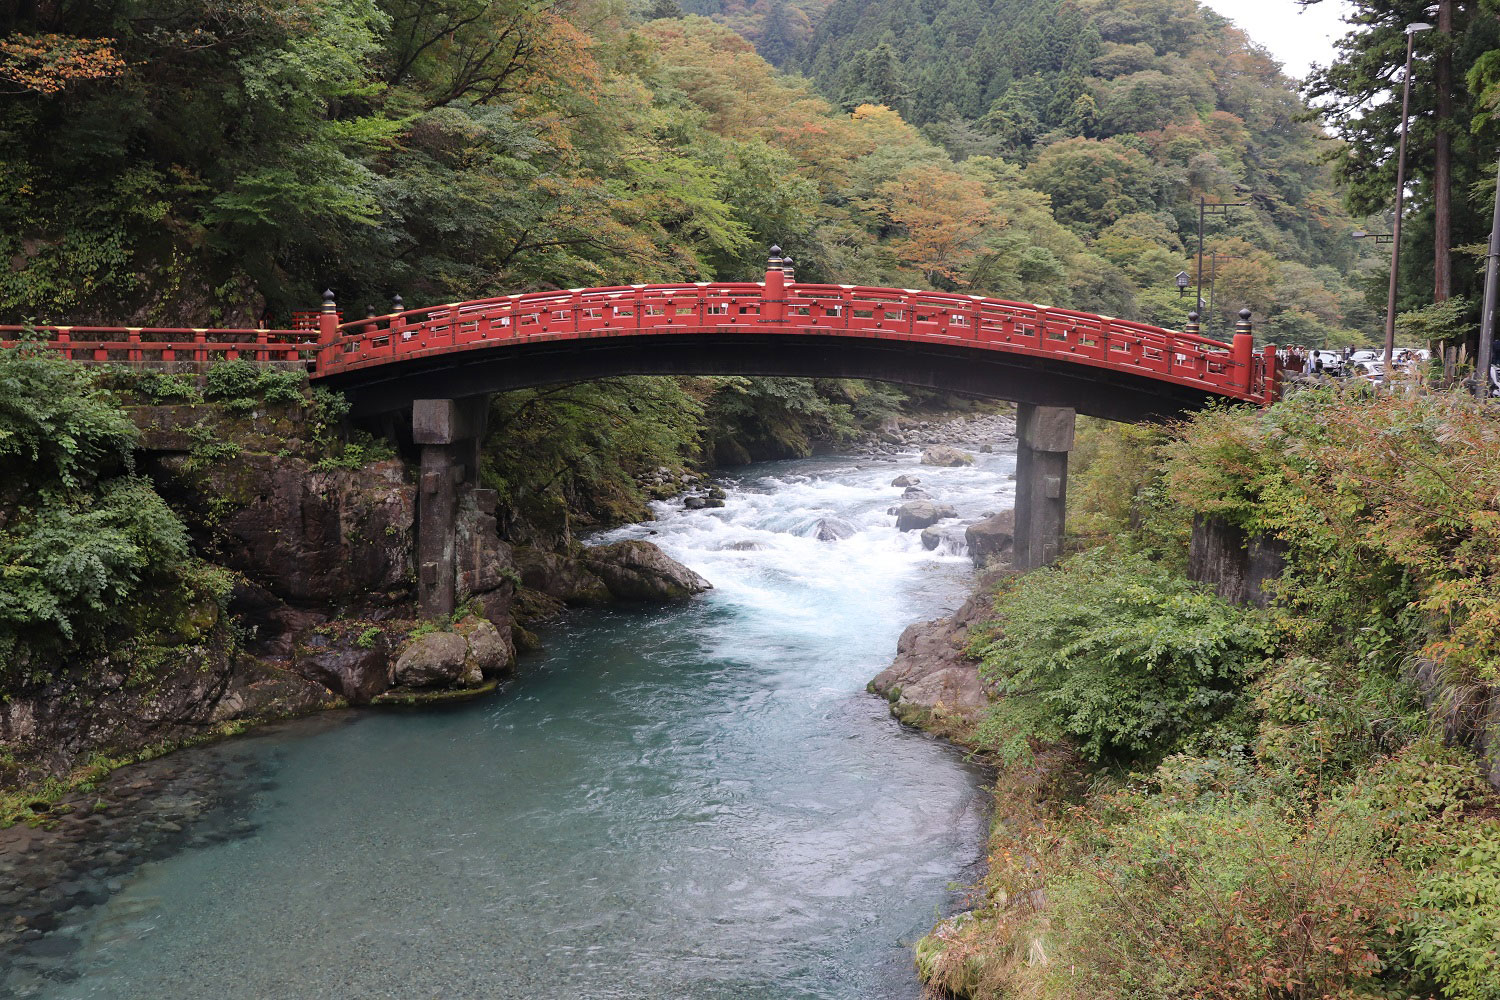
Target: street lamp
x,y
1183,281
1412,30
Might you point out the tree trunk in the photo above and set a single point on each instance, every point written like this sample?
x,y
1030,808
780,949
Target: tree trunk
x,y
1442,160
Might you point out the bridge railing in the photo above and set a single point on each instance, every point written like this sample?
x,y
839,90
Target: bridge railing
x,y
173,348
866,312
773,308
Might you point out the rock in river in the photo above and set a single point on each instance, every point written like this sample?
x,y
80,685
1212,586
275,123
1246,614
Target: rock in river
x,y
639,571
945,455
991,539
433,660
831,529
921,514
344,666
560,576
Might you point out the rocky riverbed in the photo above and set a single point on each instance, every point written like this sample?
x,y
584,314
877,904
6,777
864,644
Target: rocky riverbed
x,y
85,847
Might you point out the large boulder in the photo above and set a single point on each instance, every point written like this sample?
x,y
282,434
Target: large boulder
x,y
562,577
437,659
639,571
992,539
950,691
490,649
921,514
905,480
355,667
946,455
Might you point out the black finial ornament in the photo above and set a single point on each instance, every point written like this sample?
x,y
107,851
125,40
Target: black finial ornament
x,y
788,268
396,304
1244,315
1193,317
369,312
328,305
775,251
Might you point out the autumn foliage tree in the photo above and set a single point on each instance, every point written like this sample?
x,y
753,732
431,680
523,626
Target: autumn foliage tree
x,y
48,64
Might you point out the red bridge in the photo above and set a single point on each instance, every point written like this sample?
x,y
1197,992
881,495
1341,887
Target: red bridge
x,y
1009,350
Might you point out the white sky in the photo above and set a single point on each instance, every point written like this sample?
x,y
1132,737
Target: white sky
x,y
1296,36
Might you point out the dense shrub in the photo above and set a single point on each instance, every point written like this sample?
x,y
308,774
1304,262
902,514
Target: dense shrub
x,y
1116,653
1224,895
84,545
1390,505
1321,719
76,566
1117,492
1315,838
56,426
243,385
1458,937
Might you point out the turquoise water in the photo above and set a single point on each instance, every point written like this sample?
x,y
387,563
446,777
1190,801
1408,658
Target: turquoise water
x,y
697,801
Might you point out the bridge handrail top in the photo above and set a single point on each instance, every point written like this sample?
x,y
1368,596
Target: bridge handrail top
x,y
78,328
801,290
552,295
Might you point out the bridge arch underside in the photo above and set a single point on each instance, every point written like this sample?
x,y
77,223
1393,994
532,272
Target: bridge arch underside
x,y
1042,381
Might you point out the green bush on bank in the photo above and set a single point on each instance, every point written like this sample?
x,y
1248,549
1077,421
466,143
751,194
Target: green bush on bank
x,y
1389,505
85,544
1117,654
1457,938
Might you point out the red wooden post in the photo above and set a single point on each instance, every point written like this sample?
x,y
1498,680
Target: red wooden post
x,y
773,296
63,340
133,354
1243,350
328,331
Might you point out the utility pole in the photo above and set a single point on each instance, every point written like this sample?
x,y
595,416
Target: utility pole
x,y
1205,209
1390,302
1442,156
1491,293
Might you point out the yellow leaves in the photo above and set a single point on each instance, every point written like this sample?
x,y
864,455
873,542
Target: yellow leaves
x,y
48,64
943,216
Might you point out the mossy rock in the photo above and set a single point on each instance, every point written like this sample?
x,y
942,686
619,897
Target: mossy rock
x,y
410,698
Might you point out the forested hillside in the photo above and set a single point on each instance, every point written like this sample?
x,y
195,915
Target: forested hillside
x,y
1124,114
188,162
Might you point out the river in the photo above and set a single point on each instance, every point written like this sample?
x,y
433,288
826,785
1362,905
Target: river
x,y
697,801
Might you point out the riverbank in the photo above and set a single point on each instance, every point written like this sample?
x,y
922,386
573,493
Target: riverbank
x,y
1196,796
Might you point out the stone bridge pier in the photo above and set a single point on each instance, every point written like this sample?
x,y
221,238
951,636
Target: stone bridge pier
x,y
1044,436
449,432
